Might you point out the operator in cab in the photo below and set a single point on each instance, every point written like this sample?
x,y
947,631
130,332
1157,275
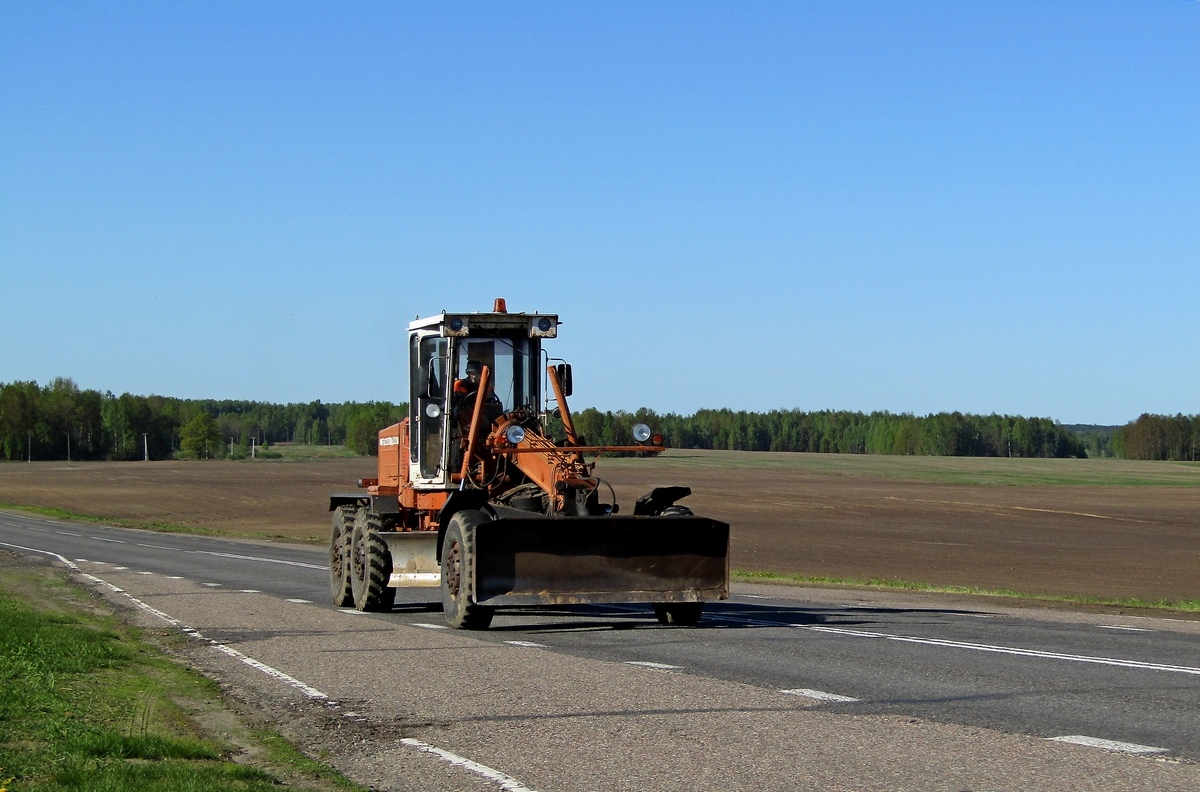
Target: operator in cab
x,y
466,386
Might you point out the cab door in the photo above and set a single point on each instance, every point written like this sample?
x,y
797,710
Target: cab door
x,y
429,357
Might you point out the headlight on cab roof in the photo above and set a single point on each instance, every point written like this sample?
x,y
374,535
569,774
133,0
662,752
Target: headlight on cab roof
x,y
543,327
456,326
641,433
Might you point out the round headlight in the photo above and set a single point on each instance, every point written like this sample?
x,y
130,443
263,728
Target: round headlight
x,y
641,433
514,435
456,324
544,324
433,410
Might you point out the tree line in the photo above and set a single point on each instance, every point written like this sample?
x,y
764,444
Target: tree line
x,y
831,431
1165,437
62,421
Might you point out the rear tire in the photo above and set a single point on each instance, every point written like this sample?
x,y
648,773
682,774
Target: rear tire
x,y
682,614
370,565
458,573
341,534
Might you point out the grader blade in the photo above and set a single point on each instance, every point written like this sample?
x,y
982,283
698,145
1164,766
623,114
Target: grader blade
x,y
414,559
573,560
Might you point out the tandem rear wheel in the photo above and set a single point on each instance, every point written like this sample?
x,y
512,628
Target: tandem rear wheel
x,y
341,534
458,572
370,565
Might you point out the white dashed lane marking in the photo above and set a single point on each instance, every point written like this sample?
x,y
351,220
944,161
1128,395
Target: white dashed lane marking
x,y
819,695
1111,745
260,559
976,647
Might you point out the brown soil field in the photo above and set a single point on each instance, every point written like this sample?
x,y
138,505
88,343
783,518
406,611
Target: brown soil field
x,y
1091,528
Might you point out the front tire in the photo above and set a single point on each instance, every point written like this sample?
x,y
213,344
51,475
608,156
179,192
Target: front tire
x,y
683,614
341,534
458,573
370,565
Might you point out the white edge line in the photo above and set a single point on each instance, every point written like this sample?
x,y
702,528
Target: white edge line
x,y
656,666
191,632
430,626
507,783
1110,745
528,644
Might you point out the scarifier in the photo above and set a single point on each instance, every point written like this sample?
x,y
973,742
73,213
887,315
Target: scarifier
x,y
473,496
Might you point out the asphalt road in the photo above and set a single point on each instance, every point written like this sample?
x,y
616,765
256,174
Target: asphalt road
x,y
778,688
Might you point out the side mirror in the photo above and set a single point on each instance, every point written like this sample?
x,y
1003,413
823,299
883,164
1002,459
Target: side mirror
x,y
564,378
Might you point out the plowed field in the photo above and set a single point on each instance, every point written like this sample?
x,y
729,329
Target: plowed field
x,y
1098,528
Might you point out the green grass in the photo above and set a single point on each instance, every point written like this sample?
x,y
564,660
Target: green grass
x,y
1178,606
86,705
296,453
985,471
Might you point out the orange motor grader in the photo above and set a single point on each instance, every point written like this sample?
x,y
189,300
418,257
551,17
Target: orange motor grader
x,y
474,496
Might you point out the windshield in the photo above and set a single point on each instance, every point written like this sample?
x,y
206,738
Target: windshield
x,y
513,363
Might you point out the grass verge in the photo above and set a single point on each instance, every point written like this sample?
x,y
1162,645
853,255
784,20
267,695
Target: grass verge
x,y
1177,606
86,704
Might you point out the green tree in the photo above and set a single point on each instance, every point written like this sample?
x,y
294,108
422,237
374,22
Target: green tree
x,y
200,436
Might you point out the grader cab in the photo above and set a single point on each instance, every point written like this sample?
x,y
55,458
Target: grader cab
x,y
477,496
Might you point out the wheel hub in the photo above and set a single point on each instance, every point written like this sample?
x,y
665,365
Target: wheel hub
x,y
454,569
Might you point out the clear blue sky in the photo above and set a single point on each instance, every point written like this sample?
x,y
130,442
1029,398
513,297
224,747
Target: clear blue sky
x,y
905,206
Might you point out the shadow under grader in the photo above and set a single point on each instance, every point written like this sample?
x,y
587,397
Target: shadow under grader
x,y
717,616
726,615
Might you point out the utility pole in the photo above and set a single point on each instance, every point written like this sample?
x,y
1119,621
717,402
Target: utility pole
x,y
252,439
68,449
29,447
145,447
